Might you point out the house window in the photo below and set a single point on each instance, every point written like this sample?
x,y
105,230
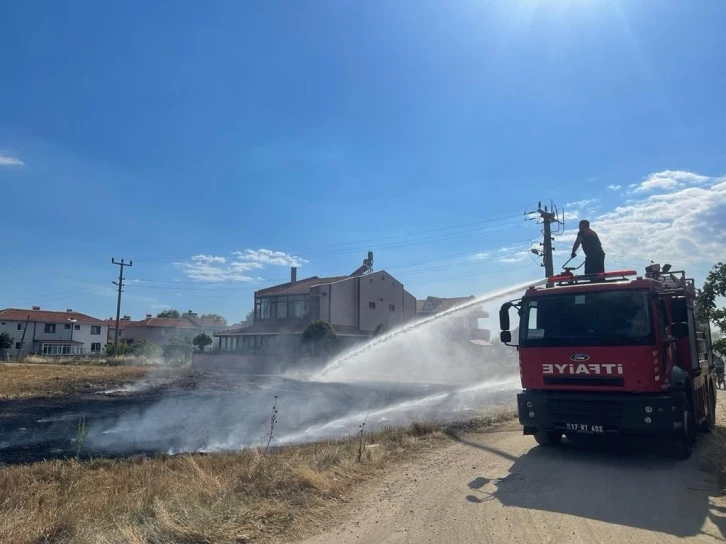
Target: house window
x,y
96,329
372,305
17,345
49,328
96,347
299,307
262,308
163,332
20,326
59,349
78,327
67,326
391,307
282,307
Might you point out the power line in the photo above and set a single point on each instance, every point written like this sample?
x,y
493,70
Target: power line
x,y
415,236
397,266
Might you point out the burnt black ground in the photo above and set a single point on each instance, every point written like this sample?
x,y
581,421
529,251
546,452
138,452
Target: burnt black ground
x,y
222,412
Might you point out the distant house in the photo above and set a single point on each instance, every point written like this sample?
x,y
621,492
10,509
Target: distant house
x,y
46,332
160,330
111,322
468,319
355,305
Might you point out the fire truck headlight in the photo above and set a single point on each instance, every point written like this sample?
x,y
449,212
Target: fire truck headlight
x,y
531,414
529,404
648,409
647,420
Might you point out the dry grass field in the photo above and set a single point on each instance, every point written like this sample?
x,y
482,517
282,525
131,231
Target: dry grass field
x,y
239,497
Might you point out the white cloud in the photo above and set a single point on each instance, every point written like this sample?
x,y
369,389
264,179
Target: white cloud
x,y
670,179
580,203
681,222
8,160
615,187
208,259
211,268
269,257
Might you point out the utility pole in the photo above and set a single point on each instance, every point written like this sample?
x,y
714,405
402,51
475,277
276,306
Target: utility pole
x,y
547,217
120,285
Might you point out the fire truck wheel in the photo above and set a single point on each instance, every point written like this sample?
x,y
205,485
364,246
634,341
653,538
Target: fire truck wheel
x,y
548,438
684,444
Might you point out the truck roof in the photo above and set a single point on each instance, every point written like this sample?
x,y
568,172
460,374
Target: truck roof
x,y
674,282
640,283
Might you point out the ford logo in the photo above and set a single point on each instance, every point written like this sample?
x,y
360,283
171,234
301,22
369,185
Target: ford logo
x,y
579,357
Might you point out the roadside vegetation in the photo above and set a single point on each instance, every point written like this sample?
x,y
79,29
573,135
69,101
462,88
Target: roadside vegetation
x,y
247,496
33,380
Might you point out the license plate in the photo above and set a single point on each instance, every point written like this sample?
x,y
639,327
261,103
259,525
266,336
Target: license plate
x,y
585,428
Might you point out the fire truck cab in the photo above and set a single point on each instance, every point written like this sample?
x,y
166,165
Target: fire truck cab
x,y
609,354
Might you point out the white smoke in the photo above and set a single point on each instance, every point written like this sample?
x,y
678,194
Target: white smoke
x,y
423,371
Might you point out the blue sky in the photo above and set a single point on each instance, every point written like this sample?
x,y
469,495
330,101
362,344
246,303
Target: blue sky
x,y
217,143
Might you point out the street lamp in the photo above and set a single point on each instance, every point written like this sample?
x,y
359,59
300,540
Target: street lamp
x,y
73,326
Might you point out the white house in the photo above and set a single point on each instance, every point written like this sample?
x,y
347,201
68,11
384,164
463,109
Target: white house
x,y
53,333
354,305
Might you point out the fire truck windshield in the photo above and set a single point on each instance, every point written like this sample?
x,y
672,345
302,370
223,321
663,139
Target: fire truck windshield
x,y
587,319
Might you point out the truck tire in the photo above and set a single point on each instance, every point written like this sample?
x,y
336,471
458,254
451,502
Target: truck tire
x,y
548,438
684,442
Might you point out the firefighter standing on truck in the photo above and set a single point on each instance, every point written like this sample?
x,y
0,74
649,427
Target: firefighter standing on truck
x,y
594,255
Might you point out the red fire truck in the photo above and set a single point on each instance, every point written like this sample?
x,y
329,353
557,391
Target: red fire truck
x,y
613,354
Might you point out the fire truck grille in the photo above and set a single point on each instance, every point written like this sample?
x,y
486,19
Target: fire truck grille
x,y
595,412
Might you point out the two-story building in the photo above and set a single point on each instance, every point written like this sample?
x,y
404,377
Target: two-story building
x,y
45,332
160,330
355,305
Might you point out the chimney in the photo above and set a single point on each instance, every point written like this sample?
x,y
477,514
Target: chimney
x,y
191,314
293,274
126,318
69,310
36,308
148,316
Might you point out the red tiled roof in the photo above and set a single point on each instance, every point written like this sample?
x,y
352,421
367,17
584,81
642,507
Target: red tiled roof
x,y
171,323
272,326
300,287
122,323
48,316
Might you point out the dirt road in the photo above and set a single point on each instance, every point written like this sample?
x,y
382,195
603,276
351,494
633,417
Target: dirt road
x,y
500,487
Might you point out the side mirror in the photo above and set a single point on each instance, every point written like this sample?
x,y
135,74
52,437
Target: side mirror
x,y
680,329
504,316
505,337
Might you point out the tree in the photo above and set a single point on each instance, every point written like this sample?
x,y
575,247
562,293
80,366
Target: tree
x,y
178,350
250,317
201,341
144,348
172,313
215,317
123,349
6,342
713,287
321,334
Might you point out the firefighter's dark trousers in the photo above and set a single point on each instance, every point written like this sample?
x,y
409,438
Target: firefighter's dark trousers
x,y
595,263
